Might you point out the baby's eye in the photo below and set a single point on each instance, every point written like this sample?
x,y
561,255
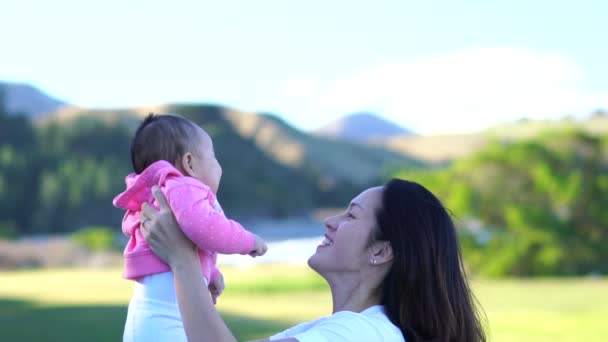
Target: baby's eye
x,y
351,216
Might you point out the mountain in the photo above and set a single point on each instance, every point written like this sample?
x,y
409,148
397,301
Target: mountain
x,y
28,100
288,146
329,158
361,127
269,167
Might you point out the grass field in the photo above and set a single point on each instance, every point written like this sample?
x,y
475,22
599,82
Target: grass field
x,y
79,305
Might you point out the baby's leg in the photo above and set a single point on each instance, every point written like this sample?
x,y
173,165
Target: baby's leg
x,y
153,312
150,320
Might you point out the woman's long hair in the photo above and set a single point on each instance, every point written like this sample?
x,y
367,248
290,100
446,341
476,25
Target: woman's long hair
x,y
425,293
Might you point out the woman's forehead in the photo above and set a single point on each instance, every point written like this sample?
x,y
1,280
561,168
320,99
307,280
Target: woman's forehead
x,y
368,199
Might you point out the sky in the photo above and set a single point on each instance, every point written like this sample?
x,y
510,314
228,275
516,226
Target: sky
x,y
431,66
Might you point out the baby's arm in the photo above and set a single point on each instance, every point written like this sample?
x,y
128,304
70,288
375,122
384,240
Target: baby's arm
x,y
207,228
216,284
259,247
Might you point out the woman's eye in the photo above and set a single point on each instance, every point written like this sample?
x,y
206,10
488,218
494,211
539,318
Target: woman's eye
x,y
351,216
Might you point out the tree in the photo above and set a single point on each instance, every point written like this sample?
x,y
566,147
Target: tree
x,y
540,204
18,169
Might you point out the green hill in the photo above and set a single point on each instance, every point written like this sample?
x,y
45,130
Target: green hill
x,y
79,158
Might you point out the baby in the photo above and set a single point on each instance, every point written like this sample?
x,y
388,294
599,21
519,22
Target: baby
x,y
177,155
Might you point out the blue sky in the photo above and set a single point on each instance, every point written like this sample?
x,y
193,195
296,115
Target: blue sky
x,y
432,66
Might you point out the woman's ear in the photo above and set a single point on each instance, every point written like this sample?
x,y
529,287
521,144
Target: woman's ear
x,y
382,252
185,164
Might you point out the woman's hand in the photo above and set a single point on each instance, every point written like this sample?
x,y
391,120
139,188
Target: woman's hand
x,y
201,320
162,233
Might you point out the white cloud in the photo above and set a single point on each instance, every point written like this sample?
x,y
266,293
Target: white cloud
x,y
300,88
465,90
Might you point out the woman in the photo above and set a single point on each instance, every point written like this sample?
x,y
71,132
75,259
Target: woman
x,y
391,260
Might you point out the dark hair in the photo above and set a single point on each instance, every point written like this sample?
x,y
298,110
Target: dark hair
x,y
425,292
161,137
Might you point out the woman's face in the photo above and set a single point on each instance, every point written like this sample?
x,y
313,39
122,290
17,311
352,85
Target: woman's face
x,y
344,248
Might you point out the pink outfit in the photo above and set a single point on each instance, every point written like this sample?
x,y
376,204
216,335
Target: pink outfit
x,y
196,210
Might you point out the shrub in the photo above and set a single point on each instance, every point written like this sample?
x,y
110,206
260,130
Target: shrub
x,y
95,238
8,230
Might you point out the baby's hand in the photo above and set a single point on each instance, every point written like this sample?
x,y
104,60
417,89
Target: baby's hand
x,y
216,287
259,247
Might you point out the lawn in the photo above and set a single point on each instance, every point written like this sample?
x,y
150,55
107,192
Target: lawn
x,y
78,305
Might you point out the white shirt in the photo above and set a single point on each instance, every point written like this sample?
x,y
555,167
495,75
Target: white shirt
x,y
370,325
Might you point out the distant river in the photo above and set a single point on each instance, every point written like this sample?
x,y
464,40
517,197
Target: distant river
x,y
289,241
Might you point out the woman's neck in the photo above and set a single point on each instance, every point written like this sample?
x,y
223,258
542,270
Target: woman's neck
x,y
353,293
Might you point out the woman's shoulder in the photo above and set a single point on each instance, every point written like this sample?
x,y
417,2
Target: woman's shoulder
x,y
371,324
372,321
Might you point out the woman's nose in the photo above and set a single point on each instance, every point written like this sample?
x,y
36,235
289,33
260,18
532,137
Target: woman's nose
x,y
330,222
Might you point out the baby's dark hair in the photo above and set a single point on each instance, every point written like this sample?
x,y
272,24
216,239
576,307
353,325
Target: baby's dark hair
x,y
161,137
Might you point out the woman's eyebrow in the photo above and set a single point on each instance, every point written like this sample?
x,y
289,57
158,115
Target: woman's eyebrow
x,y
355,204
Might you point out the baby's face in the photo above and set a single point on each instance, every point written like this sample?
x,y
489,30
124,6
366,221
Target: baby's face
x,y
205,166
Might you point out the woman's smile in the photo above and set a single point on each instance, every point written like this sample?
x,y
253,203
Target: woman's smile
x,y
326,242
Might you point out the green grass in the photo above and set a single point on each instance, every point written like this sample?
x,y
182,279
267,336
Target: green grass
x,y
78,305
546,309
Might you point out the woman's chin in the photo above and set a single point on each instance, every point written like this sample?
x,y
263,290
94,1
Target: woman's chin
x,y
316,261
313,262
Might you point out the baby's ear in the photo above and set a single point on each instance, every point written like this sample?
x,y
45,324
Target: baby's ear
x,y
185,164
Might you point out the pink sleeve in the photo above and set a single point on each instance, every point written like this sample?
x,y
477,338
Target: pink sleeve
x,y
209,229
